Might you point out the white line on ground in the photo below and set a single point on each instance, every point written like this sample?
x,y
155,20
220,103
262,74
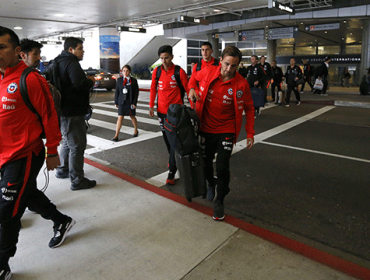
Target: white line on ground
x,y
153,121
114,107
315,152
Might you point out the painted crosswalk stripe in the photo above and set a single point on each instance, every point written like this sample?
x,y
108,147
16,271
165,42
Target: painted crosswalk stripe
x,y
114,107
153,121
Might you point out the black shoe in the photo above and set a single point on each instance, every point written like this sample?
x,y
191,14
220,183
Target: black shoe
x,y
60,232
136,135
61,175
84,184
115,139
5,274
218,211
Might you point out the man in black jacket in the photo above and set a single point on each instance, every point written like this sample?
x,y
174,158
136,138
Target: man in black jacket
x,y
75,88
307,73
292,75
268,79
322,73
256,77
277,77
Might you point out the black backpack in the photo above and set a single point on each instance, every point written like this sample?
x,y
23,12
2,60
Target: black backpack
x,y
177,77
182,129
52,73
24,93
199,64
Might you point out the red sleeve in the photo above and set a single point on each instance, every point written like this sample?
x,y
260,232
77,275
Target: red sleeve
x,y
192,77
41,99
249,112
184,80
193,82
153,88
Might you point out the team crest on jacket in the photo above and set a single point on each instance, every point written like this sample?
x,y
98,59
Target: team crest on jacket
x,y
239,93
12,88
230,91
173,77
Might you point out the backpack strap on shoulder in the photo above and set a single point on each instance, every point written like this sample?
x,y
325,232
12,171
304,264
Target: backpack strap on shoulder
x,y
24,91
199,65
159,72
178,81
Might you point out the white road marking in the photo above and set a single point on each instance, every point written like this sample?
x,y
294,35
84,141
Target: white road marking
x,y
116,113
315,152
112,145
153,121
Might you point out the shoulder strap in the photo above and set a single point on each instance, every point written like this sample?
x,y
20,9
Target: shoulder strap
x,y
178,80
199,65
24,91
159,72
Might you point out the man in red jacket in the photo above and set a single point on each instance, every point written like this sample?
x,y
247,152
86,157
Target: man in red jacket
x,y
169,92
222,96
22,152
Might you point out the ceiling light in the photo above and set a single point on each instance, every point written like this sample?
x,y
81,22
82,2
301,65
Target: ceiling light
x,y
18,27
217,11
342,38
326,31
59,15
301,22
350,33
344,21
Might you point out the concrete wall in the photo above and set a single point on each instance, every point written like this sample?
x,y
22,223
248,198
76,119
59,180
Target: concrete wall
x,y
131,43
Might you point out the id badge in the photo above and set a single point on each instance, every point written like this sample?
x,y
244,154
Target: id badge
x,y
124,90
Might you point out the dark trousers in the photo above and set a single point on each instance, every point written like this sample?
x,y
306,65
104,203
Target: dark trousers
x,y
308,81
325,87
171,151
19,190
222,144
73,147
273,86
292,87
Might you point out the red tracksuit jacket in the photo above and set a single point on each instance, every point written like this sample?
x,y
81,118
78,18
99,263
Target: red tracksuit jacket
x,y
20,128
241,95
168,90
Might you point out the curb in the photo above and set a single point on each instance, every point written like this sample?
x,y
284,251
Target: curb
x,y
312,253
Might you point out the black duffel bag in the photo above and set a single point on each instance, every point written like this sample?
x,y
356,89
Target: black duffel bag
x,y
181,128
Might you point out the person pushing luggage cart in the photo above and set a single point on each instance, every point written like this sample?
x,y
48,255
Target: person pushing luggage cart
x,y
222,96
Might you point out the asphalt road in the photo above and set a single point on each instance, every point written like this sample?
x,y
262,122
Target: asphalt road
x,y
307,177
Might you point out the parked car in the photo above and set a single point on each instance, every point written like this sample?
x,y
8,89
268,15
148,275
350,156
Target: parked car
x,y
103,78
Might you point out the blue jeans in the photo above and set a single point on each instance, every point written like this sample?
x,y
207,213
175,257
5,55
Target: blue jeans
x,y
73,147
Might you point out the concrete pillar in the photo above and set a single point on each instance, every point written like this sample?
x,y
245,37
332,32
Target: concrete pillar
x,y
214,42
365,51
109,49
271,50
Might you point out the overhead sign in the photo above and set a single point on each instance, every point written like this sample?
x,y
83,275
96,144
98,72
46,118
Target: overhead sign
x,y
193,20
223,35
282,33
131,29
281,7
321,27
252,35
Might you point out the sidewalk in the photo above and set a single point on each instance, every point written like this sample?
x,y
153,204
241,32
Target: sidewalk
x,y
137,231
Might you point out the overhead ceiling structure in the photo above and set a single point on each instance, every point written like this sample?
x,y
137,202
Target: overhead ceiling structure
x,y
43,18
